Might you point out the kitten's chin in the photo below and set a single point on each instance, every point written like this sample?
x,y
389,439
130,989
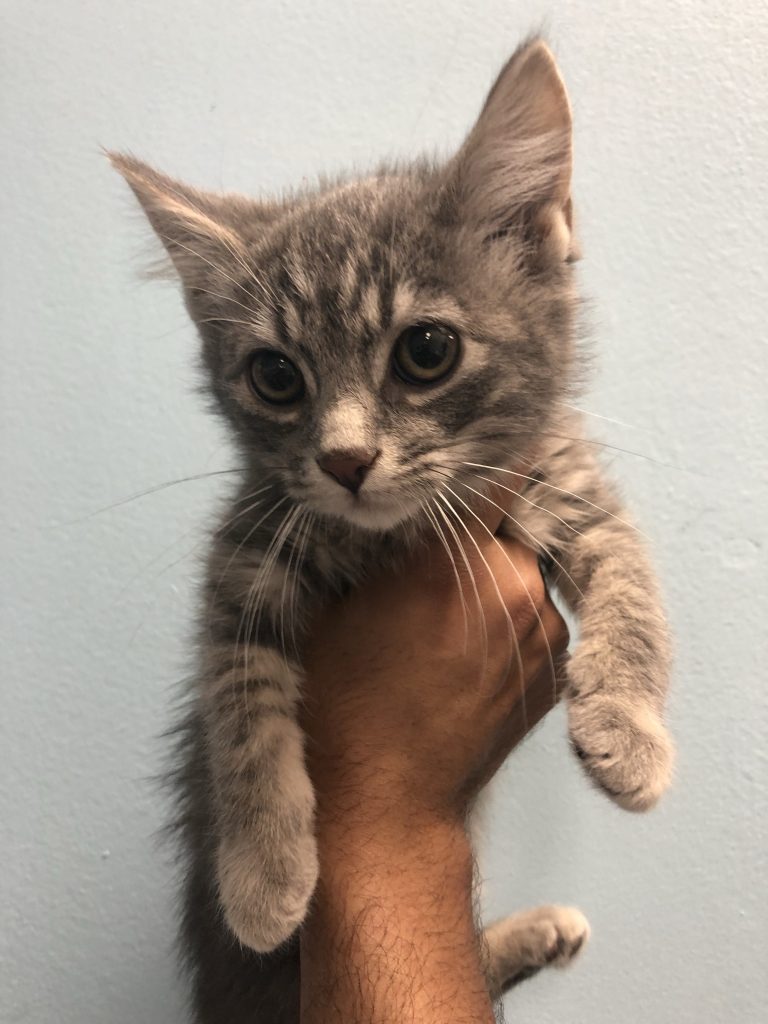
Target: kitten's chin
x,y
372,513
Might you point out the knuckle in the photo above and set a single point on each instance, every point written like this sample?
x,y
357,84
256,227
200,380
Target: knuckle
x,y
536,587
530,599
559,636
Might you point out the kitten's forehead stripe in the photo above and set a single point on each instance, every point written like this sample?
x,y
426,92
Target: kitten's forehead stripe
x,y
299,279
348,277
287,289
292,321
281,318
386,291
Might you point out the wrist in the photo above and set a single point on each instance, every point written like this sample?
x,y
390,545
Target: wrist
x,y
386,794
394,903
412,855
383,833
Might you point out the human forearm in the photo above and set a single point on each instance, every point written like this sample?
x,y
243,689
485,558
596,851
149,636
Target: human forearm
x,y
391,938
411,704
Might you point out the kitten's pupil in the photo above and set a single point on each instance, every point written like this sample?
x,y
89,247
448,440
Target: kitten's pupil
x,y
427,348
275,378
425,353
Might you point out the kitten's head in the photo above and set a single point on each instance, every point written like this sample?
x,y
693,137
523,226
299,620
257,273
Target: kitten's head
x,y
371,338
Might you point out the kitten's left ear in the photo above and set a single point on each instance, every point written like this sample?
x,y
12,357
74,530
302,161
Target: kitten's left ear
x,y
200,230
514,170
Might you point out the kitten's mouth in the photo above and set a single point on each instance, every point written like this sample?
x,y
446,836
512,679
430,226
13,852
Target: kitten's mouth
x,y
371,510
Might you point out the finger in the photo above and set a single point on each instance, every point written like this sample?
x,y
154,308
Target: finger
x,y
551,633
544,649
507,592
541,694
516,571
528,705
543,655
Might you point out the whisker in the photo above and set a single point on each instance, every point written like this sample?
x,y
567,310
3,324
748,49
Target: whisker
x,y
560,490
225,298
297,577
624,451
517,494
441,536
517,572
528,501
151,490
223,528
538,546
241,545
227,320
264,572
301,522
251,273
599,416
510,623
470,573
258,606
255,596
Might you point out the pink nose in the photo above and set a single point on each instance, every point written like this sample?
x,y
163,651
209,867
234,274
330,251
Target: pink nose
x,y
348,468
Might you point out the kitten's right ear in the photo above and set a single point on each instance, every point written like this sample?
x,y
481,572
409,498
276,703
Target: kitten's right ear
x,y
199,230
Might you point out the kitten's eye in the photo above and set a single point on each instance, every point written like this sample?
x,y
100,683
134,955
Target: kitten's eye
x,y
425,353
275,378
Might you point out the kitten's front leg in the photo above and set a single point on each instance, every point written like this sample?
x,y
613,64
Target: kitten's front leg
x,y
619,672
267,856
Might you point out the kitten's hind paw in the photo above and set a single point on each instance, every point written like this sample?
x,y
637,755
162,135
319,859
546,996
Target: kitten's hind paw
x,y
626,750
265,898
521,945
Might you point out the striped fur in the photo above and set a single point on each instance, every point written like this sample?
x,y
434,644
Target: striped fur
x,y
331,277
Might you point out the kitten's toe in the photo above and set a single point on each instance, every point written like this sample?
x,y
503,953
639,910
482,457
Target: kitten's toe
x,y
265,899
626,750
521,945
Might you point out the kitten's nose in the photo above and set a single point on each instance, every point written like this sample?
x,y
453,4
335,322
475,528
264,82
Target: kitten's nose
x,y
348,468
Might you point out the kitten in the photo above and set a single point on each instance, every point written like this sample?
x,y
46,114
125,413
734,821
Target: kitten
x,y
383,348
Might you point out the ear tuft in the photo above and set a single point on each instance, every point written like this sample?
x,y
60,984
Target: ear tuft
x,y
192,224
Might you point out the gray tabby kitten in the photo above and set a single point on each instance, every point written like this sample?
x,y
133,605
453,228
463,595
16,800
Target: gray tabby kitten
x,y
383,349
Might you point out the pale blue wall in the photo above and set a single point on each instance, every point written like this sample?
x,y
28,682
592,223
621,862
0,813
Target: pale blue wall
x,y
97,403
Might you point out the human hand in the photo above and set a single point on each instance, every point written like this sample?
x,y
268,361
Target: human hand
x,y
416,692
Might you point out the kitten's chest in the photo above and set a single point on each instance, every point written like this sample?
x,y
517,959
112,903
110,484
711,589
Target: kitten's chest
x,y
337,563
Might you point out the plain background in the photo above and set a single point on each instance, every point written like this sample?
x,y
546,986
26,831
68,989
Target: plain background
x,y
98,403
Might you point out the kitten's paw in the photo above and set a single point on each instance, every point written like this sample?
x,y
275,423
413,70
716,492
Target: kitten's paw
x,y
265,897
625,749
519,946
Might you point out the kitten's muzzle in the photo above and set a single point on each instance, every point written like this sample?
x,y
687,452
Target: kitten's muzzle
x,y
348,468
